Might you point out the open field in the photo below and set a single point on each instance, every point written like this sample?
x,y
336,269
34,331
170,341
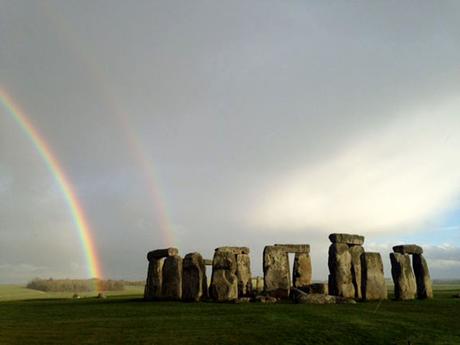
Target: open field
x,y
127,319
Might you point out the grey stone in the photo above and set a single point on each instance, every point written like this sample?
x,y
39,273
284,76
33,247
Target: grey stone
x,y
234,250
295,248
224,286
266,299
347,238
277,281
153,284
224,281
162,253
301,273
422,277
243,273
408,249
194,281
298,296
373,282
403,276
172,278
356,253
340,277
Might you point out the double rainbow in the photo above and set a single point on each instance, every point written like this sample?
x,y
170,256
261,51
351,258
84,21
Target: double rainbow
x,y
78,215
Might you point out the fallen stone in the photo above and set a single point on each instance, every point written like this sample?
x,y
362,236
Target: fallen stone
x,y
243,300
153,284
347,238
277,280
422,277
295,248
408,249
234,250
101,295
243,273
341,300
194,281
340,277
301,273
356,253
300,297
403,276
162,253
172,278
374,287
266,299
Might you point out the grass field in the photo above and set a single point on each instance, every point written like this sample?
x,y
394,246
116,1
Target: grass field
x,y
126,319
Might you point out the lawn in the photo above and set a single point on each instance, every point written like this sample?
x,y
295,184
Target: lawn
x,y
127,319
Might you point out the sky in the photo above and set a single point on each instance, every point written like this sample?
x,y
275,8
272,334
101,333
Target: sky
x,y
198,124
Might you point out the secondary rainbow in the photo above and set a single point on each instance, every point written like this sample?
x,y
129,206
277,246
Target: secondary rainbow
x,y
78,215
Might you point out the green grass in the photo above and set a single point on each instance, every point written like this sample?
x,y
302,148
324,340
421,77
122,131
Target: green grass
x,y
129,320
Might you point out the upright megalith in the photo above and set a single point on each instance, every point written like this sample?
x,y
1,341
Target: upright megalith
x,y
154,282
340,277
172,278
301,272
422,277
277,278
194,281
403,276
231,274
373,280
356,252
345,265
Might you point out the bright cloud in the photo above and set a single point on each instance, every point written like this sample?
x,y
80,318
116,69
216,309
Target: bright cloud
x,y
399,175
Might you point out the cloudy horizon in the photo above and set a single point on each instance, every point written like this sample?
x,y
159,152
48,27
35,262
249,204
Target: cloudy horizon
x,y
201,124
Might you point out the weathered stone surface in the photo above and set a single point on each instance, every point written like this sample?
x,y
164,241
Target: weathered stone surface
x,y
162,253
301,273
347,238
295,248
320,288
234,250
403,276
356,253
373,282
225,260
207,262
340,277
408,249
224,285
153,284
194,281
298,296
172,278
266,299
257,284
224,281
422,277
243,272
277,280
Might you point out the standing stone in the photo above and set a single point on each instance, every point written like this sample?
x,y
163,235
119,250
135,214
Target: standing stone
x,y
224,281
340,278
422,277
403,276
356,253
172,278
301,273
194,281
277,281
243,273
373,280
153,284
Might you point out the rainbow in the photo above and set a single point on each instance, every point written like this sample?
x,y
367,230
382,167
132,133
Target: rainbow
x,y
57,171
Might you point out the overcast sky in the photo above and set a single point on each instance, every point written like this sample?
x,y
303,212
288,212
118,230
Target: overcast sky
x,y
206,123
